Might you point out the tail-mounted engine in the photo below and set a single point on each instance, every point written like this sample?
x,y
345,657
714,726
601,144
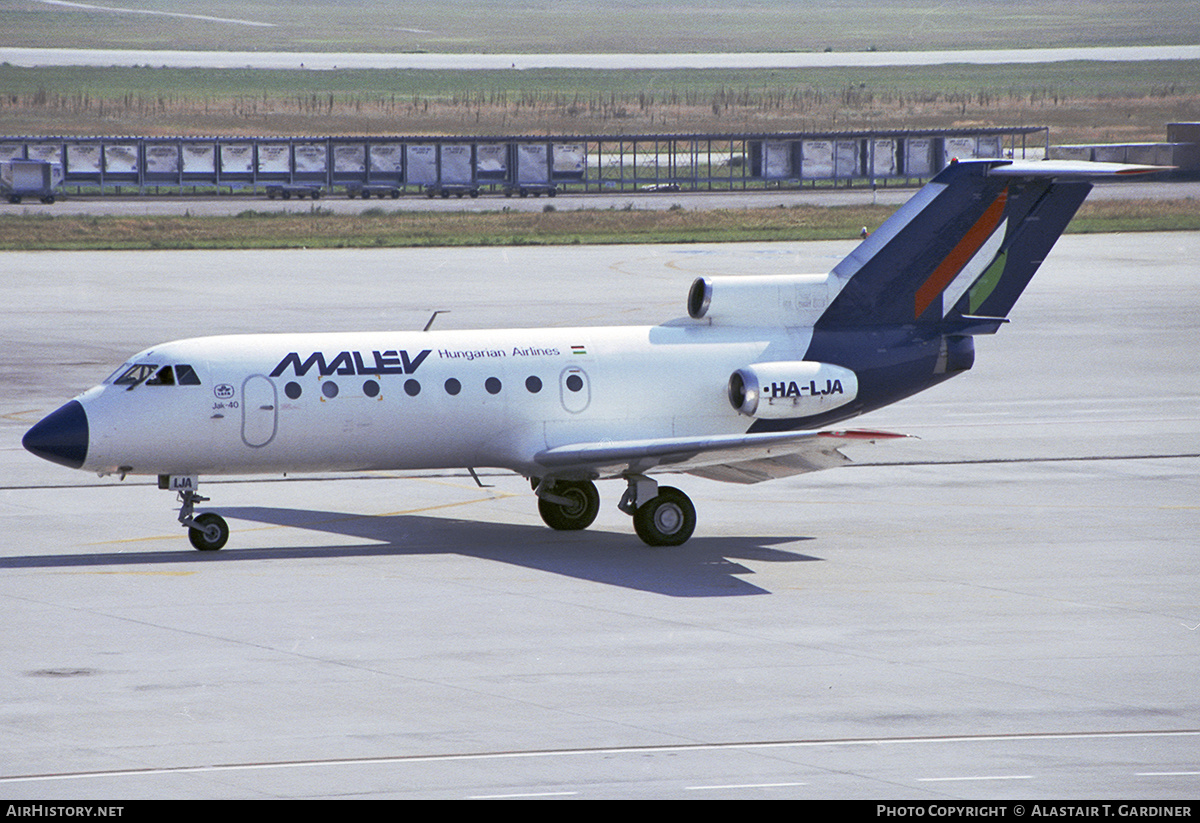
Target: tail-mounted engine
x,y
766,300
792,388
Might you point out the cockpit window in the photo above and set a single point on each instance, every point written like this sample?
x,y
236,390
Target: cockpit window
x,y
135,375
186,376
112,378
164,377
152,374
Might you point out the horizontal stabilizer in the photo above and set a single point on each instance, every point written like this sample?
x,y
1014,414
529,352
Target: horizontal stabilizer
x,y
1070,168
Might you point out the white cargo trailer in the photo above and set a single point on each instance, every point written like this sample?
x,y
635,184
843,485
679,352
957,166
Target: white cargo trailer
x,y
30,178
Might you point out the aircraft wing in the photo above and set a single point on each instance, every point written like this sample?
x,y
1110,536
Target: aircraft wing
x,y
737,458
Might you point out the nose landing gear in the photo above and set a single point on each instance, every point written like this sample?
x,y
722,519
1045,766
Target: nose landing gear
x,y
207,532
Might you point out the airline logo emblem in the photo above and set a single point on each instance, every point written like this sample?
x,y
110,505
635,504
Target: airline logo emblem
x,y
347,362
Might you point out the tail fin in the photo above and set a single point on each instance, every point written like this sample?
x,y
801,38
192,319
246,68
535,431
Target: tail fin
x,y
959,253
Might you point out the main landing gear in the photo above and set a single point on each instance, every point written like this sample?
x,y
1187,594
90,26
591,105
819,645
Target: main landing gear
x,y
662,515
568,505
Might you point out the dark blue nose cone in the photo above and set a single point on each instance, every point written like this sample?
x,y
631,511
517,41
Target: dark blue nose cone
x,y
61,437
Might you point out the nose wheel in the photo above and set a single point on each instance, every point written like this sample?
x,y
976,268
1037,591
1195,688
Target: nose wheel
x,y
207,532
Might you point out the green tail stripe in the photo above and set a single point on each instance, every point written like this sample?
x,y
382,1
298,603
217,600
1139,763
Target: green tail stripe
x,y
983,287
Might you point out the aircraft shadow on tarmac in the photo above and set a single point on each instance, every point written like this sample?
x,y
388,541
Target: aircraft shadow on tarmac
x,y
700,568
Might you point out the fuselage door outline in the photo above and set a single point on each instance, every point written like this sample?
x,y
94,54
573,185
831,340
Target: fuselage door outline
x,y
575,389
260,417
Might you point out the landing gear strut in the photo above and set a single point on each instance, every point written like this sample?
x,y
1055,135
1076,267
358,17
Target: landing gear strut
x,y
207,532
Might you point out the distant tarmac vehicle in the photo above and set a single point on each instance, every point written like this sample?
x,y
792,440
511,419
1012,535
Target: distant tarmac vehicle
x,y
741,390
30,178
299,190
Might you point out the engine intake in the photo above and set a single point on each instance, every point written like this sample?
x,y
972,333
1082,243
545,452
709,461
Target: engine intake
x,y
791,388
761,300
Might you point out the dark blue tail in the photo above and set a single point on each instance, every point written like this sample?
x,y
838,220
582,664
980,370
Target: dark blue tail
x,y
960,252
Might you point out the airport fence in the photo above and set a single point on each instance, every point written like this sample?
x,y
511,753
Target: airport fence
x,y
513,165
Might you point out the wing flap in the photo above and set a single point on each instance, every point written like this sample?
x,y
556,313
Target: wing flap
x,y
741,458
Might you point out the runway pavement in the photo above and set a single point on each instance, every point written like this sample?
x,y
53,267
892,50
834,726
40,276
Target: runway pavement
x,y
1004,608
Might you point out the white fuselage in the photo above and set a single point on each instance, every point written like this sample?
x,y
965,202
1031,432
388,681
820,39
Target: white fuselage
x,y
405,400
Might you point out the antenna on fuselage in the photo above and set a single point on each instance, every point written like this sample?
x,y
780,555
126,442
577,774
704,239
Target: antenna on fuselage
x,y
433,317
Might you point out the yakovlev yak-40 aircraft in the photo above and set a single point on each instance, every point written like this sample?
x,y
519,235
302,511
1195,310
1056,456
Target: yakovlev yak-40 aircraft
x,y
739,391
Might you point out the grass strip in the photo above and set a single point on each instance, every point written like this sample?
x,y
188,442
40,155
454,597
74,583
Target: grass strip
x,y
376,227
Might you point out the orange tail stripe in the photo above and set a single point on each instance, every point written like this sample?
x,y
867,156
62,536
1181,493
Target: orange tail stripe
x,y
958,257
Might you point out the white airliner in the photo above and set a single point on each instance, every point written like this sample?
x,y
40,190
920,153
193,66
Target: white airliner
x,y
741,390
